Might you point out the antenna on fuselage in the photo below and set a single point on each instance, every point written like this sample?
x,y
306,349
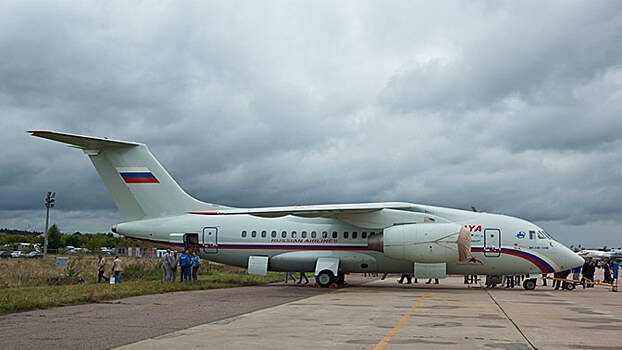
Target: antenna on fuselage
x,y
473,208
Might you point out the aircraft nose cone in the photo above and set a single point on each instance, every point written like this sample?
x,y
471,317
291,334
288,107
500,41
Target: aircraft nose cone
x,y
576,261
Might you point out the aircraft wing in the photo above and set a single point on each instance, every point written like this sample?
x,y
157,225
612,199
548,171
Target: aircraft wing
x,y
324,210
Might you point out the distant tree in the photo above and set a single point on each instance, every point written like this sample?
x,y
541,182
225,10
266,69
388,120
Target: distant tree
x,y
55,238
74,240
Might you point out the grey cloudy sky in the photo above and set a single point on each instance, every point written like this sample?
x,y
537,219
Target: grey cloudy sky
x,y
511,107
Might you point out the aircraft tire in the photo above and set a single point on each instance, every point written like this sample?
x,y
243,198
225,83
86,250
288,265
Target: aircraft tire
x,y
325,278
529,284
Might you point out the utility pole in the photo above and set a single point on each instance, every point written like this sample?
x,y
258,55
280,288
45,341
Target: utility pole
x,y
49,203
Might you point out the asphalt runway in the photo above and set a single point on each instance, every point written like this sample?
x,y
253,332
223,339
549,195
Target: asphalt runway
x,y
113,323
368,314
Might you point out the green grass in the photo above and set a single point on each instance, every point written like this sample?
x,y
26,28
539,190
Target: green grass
x,y
32,290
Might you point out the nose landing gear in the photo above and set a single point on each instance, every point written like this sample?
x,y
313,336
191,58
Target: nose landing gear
x,y
530,284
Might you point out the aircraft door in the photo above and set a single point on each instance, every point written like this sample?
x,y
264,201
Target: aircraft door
x,y
191,241
492,242
210,240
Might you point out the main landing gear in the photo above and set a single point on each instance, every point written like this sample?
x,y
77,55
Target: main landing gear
x,y
326,279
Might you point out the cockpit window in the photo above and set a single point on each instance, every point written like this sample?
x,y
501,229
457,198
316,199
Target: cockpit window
x,y
548,235
532,234
541,235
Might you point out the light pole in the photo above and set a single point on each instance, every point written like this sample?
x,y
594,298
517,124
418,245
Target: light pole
x,y
49,203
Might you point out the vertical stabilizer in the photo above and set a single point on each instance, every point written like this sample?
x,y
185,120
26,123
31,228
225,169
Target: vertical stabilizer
x,y
138,184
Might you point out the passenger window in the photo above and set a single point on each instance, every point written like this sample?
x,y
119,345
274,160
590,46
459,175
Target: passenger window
x,y
244,233
284,234
304,234
293,234
273,234
354,234
253,233
313,234
264,233
324,234
334,234
532,234
345,234
363,235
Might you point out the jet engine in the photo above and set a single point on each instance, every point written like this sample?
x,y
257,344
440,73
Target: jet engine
x,y
424,243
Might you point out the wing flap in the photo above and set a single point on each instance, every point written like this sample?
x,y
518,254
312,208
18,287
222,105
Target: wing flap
x,y
324,210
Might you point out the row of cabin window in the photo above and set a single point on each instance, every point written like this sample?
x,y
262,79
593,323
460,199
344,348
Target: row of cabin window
x,y
303,234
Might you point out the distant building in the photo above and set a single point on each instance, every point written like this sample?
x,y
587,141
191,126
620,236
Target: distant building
x,y
22,246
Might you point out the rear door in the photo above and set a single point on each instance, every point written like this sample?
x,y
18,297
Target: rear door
x,y
210,240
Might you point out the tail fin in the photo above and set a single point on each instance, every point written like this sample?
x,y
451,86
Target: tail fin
x,y
140,187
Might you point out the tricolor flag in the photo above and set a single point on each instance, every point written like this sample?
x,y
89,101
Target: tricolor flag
x,y
137,176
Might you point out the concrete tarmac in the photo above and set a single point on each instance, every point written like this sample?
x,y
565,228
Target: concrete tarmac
x,y
386,315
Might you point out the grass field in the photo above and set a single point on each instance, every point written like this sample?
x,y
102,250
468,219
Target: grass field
x,y
29,284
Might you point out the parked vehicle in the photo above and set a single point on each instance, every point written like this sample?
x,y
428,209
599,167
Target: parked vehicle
x,y
4,255
34,255
17,254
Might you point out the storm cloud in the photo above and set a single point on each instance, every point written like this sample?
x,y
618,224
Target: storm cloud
x,y
511,107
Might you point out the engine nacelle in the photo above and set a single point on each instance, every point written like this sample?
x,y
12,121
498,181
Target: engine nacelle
x,y
425,243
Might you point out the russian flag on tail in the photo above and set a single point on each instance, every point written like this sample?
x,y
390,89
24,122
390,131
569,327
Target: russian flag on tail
x,y
137,176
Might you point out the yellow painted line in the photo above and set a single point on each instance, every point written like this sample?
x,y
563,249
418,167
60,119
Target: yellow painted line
x,y
399,324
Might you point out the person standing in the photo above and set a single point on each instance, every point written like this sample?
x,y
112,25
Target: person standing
x,y
576,273
588,270
509,281
173,263
406,276
607,271
303,275
116,268
289,275
196,262
166,266
101,266
184,262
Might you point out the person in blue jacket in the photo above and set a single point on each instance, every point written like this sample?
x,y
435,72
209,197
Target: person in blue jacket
x,y
196,261
184,265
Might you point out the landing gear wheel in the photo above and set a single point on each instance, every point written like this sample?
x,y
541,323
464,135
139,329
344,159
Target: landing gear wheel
x,y
325,278
529,284
568,286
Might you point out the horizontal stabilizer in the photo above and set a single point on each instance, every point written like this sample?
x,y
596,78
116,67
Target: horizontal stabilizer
x,y
85,142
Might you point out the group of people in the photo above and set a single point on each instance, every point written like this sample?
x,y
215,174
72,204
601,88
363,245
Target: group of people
x,y
589,268
117,267
188,264
409,277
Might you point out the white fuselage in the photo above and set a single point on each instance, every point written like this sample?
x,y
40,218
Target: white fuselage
x,y
500,245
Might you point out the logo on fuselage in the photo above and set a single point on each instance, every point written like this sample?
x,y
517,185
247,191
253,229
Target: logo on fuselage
x,y
474,228
474,260
520,235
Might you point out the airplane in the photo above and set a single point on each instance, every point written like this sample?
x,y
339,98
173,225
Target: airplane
x,y
615,254
330,239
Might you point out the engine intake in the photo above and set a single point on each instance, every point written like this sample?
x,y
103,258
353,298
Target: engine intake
x,y
426,243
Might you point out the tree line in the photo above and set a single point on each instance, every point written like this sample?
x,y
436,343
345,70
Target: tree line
x,y
57,239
